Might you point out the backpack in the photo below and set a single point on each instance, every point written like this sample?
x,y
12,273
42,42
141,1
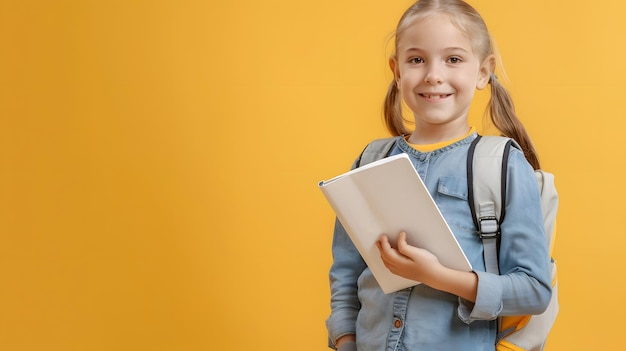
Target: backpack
x,y
487,160
486,173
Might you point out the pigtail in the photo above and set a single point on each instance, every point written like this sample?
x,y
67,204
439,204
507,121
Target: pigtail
x,y
393,111
501,109
503,116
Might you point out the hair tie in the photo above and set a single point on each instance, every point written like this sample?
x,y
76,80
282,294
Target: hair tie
x,y
493,78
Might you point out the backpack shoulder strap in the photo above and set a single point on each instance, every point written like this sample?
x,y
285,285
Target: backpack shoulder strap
x,y
549,205
487,160
375,150
487,179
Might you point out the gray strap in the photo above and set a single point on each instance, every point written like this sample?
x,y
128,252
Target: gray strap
x,y
491,255
488,173
376,150
489,229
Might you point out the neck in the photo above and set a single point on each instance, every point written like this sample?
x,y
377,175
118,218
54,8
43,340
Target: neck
x,y
436,134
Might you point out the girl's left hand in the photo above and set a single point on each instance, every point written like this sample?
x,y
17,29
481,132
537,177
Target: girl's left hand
x,y
409,261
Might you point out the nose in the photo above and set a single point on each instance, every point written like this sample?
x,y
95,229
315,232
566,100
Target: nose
x,y
434,75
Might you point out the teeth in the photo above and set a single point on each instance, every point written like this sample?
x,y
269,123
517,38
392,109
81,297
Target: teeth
x,y
434,97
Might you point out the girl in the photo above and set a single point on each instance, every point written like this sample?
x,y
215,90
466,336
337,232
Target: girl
x,y
443,52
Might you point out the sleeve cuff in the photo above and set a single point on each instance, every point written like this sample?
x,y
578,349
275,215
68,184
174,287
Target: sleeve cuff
x,y
339,324
488,303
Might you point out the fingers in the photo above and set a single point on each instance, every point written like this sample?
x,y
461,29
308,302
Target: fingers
x,y
384,246
383,242
402,239
394,260
387,251
403,245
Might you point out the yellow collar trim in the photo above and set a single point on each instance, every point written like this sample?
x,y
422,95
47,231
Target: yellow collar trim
x,y
435,146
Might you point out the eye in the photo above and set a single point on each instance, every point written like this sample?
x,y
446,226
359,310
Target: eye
x,y
416,60
454,59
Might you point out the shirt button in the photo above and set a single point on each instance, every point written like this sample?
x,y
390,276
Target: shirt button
x,y
397,323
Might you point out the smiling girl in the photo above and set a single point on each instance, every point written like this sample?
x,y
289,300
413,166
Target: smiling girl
x,y
443,54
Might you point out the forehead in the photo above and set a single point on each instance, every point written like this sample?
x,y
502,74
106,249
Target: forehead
x,y
432,33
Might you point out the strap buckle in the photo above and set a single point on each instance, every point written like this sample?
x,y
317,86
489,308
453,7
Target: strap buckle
x,y
489,227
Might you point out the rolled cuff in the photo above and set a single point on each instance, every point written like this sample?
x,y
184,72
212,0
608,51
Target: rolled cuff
x,y
488,305
340,323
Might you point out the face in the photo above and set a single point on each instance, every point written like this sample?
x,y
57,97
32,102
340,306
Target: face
x,y
437,73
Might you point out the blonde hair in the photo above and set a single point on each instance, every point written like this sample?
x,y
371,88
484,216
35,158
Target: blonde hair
x,y
500,107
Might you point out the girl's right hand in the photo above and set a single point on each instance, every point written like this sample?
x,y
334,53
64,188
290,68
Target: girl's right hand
x,y
421,265
409,261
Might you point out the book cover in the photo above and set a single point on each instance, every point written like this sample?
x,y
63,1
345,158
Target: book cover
x,y
387,197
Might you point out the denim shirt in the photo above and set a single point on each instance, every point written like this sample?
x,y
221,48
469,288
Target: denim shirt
x,y
422,318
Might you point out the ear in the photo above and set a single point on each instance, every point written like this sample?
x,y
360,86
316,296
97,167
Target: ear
x,y
485,70
393,64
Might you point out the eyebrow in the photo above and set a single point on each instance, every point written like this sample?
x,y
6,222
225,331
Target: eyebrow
x,y
452,48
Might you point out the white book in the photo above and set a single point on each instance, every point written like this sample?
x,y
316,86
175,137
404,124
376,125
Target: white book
x,y
387,197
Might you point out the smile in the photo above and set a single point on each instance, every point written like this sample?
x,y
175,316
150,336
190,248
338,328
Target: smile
x,y
435,96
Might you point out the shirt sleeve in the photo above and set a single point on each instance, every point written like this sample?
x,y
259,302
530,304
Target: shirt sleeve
x,y
524,284
344,273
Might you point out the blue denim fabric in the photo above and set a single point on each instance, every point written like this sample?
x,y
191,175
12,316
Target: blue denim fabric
x,y
422,318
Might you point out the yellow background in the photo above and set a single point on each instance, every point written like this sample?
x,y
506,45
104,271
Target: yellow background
x,y
159,162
